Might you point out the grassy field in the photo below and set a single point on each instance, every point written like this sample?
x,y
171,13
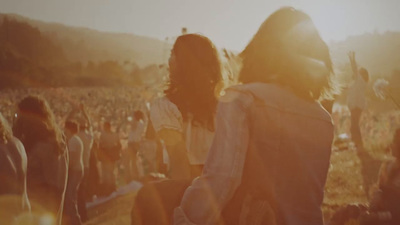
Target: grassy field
x,y
114,212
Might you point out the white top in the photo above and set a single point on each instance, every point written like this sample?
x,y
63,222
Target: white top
x,y
75,150
165,115
87,141
356,93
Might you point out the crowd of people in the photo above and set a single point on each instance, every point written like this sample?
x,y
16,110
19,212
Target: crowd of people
x,y
64,144
256,152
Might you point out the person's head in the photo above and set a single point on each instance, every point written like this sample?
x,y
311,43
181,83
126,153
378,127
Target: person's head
x,y
82,126
35,122
138,115
107,126
364,74
71,127
5,130
195,72
288,50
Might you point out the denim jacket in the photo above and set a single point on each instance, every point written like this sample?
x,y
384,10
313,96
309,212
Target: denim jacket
x,y
293,137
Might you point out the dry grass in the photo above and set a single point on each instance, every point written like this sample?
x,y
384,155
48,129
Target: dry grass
x,y
114,212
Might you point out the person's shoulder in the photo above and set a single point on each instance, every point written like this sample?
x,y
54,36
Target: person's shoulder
x,y
18,145
162,104
85,135
164,113
247,94
237,94
75,140
257,90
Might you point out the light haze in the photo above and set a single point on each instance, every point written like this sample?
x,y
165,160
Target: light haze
x,y
228,23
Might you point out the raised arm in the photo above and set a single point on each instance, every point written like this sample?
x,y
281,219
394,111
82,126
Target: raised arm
x,y
86,116
353,63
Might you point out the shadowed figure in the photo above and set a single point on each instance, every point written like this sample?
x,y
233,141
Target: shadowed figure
x,y
13,166
356,100
47,154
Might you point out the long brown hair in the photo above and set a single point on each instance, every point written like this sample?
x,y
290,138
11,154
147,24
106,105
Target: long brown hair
x,y
284,50
35,123
5,130
193,82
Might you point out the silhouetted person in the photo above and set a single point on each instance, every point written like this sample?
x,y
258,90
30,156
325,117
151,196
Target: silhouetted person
x,y
47,154
356,99
110,149
13,166
75,174
135,136
85,133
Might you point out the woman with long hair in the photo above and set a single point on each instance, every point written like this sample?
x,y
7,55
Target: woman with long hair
x,y
47,154
184,118
270,155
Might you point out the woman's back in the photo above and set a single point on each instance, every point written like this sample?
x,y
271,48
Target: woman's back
x,y
165,115
288,151
47,175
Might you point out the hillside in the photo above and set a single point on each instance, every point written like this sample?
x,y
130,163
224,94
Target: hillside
x,y
50,55
84,45
82,55
377,52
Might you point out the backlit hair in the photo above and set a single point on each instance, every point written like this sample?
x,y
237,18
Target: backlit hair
x,y
5,130
193,83
287,49
35,123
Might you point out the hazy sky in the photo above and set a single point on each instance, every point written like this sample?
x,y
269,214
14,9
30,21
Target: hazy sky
x,y
228,23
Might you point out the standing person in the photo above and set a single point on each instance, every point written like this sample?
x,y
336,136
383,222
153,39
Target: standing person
x,y
184,118
86,135
47,154
356,99
13,165
269,159
109,150
135,136
75,174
